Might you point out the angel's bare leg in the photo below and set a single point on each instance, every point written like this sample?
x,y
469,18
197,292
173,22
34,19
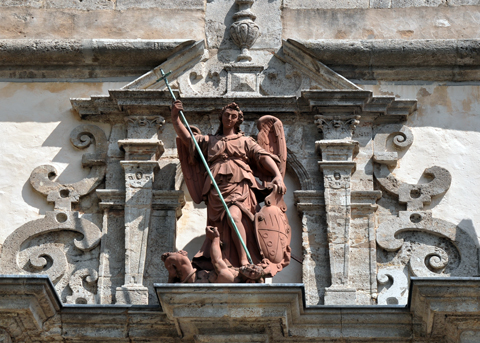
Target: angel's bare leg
x,y
237,218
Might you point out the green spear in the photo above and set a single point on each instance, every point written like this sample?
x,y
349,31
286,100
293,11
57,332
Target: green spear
x,y
184,120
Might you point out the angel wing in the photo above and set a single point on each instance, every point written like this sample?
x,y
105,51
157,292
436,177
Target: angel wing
x,y
193,171
271,137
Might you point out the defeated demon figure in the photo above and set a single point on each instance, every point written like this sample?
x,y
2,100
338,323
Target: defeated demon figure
x,y
237,162
180,268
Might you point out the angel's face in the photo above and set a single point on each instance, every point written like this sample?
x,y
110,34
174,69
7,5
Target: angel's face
x,y
229,118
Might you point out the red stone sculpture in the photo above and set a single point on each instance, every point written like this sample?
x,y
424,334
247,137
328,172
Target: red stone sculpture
x,y
237,162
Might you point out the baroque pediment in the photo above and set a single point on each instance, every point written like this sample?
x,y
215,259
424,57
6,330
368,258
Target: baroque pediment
x,y
199,72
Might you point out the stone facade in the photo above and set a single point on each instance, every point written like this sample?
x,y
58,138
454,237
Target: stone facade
x,y
381,129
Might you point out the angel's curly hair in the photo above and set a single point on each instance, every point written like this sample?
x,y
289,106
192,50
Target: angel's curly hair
x,y
240,119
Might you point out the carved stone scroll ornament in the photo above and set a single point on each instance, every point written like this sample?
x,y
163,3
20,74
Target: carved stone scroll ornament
x,y
426,260
244,31
49,257
397,293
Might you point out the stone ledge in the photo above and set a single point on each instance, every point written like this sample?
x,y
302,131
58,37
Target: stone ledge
x,y
87,58
439,310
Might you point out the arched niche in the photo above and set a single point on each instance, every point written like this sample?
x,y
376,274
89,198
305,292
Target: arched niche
x,y
190,232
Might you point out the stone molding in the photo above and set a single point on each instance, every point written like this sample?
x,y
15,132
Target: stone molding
x,y
438,310
373,59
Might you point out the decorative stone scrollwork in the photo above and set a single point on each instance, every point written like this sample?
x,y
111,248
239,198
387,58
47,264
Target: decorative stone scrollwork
x,y
244,31
48,256
43,177
396,293
80,294
427,256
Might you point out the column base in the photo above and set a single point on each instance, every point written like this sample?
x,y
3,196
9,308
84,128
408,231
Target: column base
x,y
340,296
132,294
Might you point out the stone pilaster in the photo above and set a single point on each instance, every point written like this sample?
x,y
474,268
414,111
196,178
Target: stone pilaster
x,y
315,272
337,149
142,151
363,247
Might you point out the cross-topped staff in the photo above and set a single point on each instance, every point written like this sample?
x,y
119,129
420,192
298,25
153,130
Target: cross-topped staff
x,y
184,120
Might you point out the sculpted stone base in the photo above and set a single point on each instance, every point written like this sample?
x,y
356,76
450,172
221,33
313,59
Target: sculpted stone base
x,y
340,296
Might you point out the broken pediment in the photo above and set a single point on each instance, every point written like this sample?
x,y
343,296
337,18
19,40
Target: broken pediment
x,y
288,81
200,72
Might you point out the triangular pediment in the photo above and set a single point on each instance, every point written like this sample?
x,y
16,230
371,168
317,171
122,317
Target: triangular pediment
x,y
199,72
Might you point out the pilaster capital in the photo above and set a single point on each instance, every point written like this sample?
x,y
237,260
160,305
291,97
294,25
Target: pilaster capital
x,y
309,201
341,126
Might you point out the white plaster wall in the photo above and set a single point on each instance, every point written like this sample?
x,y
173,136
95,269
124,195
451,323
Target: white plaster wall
x,y
35,124
446,131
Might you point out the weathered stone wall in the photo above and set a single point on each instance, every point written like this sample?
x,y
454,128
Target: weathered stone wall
x,y
374,23
102,19
153,19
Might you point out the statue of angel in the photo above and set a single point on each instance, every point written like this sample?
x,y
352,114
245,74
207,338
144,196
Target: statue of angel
x,y
236,161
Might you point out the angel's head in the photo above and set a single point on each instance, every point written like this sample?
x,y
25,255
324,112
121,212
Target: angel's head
x,y
230,113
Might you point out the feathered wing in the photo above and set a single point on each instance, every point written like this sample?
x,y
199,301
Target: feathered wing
x,y
271,137
192,169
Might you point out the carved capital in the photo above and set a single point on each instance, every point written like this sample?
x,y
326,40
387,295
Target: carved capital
x,y
143,127
146,121
337,127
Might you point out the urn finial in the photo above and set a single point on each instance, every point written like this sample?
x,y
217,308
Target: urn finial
x,y
244,31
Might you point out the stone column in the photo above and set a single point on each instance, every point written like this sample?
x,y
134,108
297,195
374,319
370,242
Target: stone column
x,y
337,149
142,151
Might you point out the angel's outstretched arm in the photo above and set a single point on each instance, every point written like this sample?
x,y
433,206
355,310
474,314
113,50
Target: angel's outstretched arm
x,y
180,129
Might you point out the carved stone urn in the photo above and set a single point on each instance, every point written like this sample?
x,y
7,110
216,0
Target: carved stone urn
x,y
244,31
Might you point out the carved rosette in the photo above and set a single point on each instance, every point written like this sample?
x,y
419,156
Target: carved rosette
x,y
244,31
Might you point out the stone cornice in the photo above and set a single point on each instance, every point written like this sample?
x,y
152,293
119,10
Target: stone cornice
x,y
373,59
397,59
83,58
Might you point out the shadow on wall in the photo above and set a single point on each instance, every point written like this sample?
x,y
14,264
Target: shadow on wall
x,y
469,228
